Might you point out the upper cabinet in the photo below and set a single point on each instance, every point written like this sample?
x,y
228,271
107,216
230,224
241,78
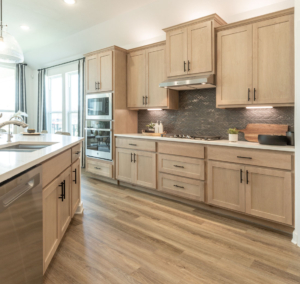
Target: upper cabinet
x,y
255,61
190,47
145,71
99,74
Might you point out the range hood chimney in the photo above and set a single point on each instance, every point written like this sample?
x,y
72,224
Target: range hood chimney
x,y
189,83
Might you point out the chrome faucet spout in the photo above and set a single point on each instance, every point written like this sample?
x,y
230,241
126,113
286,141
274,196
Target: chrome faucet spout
x,y
14,122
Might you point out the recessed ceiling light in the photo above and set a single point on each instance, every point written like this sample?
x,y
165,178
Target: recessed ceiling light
x,y
24,27
71,2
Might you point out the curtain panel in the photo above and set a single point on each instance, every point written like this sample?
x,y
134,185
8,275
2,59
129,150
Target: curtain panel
x,y
41,111
20,96
81,103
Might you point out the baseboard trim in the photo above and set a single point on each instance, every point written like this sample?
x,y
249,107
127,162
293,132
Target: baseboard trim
x,y
80,209
295,239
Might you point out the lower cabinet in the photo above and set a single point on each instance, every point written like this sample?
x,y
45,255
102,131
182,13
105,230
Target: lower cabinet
x,y
136,167
253,190
60,201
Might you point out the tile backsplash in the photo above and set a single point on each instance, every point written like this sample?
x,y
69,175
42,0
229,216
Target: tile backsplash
x,y
198,115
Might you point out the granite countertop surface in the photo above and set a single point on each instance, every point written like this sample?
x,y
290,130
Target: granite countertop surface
x,y
239,144
13,163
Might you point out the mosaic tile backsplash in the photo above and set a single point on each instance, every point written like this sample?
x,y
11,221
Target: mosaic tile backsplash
x,y
197,115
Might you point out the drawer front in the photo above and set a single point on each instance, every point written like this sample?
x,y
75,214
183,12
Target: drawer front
x,y
76,152
271,159
99,167
181,166
136,144
55,166
183,187
181,149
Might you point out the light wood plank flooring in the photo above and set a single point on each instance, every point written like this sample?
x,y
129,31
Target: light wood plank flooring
x,y
129,237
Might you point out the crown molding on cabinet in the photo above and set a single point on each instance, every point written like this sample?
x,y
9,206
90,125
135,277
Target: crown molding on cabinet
x,y
111,48
213,17
285,12
147,46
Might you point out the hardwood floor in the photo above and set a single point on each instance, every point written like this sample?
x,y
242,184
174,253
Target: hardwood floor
x,y
129,237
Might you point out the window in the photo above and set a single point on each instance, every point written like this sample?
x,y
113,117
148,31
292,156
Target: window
x,y
7,92
62,102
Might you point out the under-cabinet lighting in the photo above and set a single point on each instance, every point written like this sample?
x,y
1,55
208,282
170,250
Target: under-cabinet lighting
x,y
154,109
260,107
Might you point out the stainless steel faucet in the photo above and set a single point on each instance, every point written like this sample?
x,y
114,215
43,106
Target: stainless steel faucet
x,y
15,122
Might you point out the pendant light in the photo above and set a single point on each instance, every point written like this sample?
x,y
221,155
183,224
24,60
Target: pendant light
x,y
10,50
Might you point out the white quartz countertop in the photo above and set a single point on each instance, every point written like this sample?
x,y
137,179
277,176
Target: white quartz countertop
x,y
13,163
239,144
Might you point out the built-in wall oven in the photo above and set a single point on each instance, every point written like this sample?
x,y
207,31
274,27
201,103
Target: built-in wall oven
x,y
99,106
99,139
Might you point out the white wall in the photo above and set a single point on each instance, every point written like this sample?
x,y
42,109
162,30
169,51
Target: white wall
x,y
296,238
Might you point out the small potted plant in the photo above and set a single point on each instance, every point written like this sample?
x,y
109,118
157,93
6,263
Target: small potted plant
x,y
150,127
233,134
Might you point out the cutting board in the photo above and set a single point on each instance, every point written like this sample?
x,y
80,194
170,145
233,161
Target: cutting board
x,y
252,130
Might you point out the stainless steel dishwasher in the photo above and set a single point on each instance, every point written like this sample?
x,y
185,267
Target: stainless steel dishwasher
x,y
21,229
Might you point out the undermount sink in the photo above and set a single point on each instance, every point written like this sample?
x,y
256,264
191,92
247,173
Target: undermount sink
x,y
24,147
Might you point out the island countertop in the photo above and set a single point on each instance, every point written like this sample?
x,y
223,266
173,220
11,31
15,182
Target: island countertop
x,y
239,144
13,163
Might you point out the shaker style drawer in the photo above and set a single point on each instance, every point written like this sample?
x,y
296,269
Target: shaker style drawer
x,y
184,187
181,166
136,144
76,152
99,167
263,158
181,149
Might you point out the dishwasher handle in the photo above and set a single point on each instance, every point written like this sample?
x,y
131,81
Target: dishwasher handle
x,y
9,198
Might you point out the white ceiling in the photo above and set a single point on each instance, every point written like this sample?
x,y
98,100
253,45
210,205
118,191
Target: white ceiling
x,y
60,32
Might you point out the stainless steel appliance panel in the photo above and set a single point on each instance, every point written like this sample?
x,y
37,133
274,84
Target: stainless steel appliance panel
x,y
21,229
99,106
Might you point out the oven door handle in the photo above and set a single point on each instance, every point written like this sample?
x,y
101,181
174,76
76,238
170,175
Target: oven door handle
x,y
98,129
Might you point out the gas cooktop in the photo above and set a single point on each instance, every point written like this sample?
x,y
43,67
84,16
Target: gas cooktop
x,y
207,138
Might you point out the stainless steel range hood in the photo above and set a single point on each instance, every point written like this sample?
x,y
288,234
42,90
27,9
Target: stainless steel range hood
x,y
190,83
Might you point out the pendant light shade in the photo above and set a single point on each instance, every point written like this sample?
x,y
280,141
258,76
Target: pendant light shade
x,y
10,50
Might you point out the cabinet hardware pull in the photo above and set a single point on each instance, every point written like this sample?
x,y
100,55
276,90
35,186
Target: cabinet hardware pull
x,y
95,85
247,178
178,166
146,100
75,180
62,192
143,100
178,186
99,86
134,160
131,157
241,175
78,152
184,63
249,158
254,94
248,94
189,65
132,144
97,168
64,189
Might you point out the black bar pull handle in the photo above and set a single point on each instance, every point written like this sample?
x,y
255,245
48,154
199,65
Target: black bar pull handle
x,y
241,175
247,177
184,63
132,144
146,100
97,168
134,160
248,94
98,85
78,152
62,192
178,186
95,85
143,100
254,94
75,180
189,65
131,157
178,166
241,157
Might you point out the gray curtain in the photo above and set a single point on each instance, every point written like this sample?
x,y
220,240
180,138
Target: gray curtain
x,y
42,115
20,97
81,106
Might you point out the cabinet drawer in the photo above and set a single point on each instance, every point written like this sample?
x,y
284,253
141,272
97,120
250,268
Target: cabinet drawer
x,y
184,187
99,167
136,144
55,166
76,152
271,159
181,166
181,149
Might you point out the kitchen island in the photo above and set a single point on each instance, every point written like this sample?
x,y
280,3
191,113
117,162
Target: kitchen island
x,y
55,161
